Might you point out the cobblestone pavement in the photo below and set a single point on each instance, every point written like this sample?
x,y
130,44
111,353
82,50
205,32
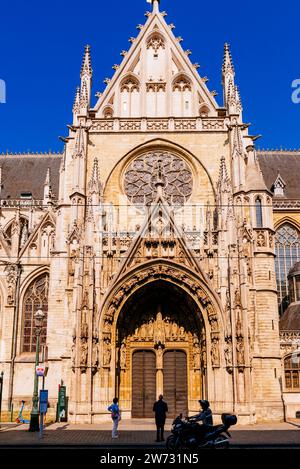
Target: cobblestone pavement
x,y
137,433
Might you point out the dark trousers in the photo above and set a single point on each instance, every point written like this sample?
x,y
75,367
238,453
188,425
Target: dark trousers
x,y
160,431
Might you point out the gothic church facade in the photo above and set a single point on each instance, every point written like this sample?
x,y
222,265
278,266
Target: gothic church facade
x,y
150,244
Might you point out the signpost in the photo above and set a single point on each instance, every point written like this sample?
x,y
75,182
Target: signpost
x,y
43,409
40,370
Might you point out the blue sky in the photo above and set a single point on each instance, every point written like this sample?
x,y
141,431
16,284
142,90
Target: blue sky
x,y
41,47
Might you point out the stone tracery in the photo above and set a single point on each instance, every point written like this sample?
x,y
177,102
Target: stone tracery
x,y
141,176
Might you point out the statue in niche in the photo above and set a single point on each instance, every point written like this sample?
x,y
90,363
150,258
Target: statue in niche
x,y
174,331
84,352
228,352
196,356
95,353
150,329
143,332
73,352
240,353
203,357
167,328
106,353
213,323
159,358
159,333
123,356
181,333
107,327
215,353
110,314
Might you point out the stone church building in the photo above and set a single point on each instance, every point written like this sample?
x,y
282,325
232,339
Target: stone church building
x,y
161,245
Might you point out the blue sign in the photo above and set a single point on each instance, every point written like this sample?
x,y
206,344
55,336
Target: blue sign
x,y
43,401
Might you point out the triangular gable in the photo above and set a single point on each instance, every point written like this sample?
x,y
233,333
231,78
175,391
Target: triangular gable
x,y
177,59
166,239
48,217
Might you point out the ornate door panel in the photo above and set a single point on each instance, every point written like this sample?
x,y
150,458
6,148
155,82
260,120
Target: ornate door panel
x,y
175,382
143,383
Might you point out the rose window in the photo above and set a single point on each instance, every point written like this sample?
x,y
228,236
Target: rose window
x,y
159,168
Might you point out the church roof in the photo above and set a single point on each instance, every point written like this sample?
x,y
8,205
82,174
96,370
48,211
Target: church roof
x,y
283,162
290,321
26,173
295,270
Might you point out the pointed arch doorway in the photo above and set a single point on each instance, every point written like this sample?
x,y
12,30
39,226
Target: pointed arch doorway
x,y
160,333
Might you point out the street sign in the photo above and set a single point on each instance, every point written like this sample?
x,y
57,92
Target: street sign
x,y
40,370
43,401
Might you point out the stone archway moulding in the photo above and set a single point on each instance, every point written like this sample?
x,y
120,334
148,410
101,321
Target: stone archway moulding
x,y
180,276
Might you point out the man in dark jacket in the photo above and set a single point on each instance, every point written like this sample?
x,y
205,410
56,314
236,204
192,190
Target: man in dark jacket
x,y
160,408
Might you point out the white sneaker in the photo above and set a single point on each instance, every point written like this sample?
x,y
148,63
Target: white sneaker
x,y
113,437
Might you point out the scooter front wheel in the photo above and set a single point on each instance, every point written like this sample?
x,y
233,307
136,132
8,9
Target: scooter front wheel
x,y
170,443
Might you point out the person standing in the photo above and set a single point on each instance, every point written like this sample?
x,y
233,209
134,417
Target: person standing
x,y
116,417
160,408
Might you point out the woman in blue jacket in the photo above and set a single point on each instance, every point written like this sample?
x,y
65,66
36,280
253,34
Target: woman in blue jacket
x,y
116,416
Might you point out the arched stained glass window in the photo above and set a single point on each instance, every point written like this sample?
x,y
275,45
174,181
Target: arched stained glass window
x,y
287,242
259,216
292,371
36,297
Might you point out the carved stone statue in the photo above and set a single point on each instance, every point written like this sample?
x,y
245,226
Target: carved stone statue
x,y
110,313
159,358
213,320
174,331
196,357
73,352
215,353
203,355
123,356
181,333
106,353
84,352
95,354
167,328
228,352
159,332
150,332
240,352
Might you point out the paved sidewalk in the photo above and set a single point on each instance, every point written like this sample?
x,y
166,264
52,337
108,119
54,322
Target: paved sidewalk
x,y
139,433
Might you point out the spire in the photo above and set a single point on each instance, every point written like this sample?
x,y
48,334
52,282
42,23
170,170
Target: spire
x,y
47,180
47,188
76,106
155,5
86,68
86,75
224,181
239,106
228,67
79,148
94,184
232,99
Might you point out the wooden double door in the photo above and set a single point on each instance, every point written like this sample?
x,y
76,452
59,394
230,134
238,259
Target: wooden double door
x,y
144,380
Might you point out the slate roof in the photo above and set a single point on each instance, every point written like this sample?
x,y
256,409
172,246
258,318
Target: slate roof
x,y
287,164
290,320
27,173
